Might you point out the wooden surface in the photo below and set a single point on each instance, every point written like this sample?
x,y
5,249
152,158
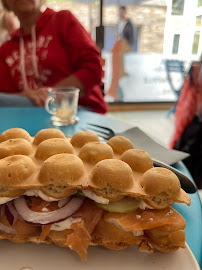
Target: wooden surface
x,y
140,106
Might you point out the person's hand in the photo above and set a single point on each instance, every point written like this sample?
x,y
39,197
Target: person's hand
x,y
72,80
37,96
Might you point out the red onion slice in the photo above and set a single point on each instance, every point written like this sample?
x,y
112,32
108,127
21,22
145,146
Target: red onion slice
x,y
6,229
11,213
38,218
63,202
2,210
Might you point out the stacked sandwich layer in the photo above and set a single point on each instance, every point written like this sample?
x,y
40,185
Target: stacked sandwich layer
x,y
77,192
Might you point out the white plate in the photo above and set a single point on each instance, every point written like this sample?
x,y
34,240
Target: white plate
x,y
51,257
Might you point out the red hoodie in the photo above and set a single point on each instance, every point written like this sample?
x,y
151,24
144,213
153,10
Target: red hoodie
x,y
58,47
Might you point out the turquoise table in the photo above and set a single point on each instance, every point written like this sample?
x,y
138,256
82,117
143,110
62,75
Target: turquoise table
x,y
34,119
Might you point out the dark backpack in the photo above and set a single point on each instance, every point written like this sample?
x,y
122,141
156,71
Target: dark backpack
x,y
191,142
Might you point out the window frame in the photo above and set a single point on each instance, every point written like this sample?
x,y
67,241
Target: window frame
x,y
177,8
175,48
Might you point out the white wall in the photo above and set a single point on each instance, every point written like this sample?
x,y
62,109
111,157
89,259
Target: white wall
x,y
184,26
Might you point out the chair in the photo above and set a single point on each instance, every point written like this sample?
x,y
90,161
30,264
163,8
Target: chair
x,y
102,85
174,66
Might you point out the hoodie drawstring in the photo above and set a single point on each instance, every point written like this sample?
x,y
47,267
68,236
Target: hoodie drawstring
x,y
22,64
34,59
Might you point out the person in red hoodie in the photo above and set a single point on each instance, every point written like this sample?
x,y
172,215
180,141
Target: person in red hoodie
x,y
49,49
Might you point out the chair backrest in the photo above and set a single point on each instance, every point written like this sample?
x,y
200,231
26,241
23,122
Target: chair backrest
x,y
175,66
102,85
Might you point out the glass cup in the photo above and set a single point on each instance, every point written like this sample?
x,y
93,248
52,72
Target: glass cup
x,y
62,103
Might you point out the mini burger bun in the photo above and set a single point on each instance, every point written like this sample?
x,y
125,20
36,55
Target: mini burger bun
x,y
111,178
14,170
83,137
138,160
120,144
54,146
45,134
161,186
61,175
15,133
93,152
16,146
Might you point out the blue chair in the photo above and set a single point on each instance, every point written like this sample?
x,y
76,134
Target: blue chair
x,y
174,66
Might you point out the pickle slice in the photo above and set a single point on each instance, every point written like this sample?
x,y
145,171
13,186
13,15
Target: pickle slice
x,y
125,205
79,193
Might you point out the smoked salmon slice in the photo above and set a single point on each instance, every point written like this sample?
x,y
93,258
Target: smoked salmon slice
x,y
45,232
80,239
37,204
143,220
90,213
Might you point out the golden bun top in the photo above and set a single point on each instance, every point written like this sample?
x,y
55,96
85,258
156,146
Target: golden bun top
x,y
52,147
64,168
61,175
16,146
138,160
157,180
60,166
15,169
111,177
120,144
161,185
82,137
94,152
49,133
14,133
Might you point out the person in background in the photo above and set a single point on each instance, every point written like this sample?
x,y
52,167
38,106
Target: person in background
x,y
187,135
121,47
125,27
8,23
49,49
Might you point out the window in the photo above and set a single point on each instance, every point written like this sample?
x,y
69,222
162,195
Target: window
x,y
199,3
198,20
177,7
196,42
176,41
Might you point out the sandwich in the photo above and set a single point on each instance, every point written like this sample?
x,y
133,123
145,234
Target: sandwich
x,y
79,192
